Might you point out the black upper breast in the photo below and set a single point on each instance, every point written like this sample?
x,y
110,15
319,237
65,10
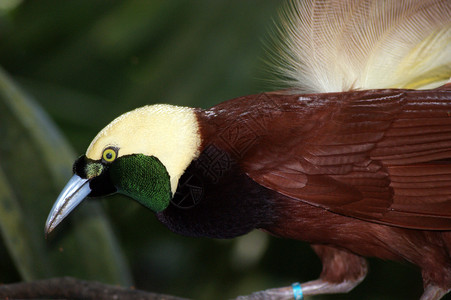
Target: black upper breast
x,y
216,199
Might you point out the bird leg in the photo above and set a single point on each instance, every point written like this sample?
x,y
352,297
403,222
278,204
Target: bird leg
x,y
310,288
342,271
432,292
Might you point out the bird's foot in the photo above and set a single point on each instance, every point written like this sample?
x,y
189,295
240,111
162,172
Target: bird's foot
x,y
297,292
270,294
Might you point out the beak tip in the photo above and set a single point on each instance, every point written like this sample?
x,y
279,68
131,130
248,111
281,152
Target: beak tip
x,y
47,230
73,193
49,226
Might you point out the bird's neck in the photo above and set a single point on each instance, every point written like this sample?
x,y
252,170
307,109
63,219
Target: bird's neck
x,y
216,199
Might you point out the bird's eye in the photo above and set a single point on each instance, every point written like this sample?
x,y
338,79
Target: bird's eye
x,y
109,155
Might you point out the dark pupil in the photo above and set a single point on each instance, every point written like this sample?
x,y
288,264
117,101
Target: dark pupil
x,y
109,155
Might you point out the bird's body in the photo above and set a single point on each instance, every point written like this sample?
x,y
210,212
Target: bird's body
x,y
306,167
343,160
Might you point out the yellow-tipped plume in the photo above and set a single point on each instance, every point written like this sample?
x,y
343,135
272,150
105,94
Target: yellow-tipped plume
x,y
339,45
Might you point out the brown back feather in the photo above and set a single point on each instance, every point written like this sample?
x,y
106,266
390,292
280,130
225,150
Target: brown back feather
x,y
378,155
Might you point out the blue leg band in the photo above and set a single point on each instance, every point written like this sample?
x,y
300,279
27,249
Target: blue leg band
x,y
297,291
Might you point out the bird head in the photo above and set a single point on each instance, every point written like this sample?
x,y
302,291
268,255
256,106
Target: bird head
x,y
141,154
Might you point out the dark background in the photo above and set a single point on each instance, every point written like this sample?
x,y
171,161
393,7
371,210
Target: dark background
x,y
87,61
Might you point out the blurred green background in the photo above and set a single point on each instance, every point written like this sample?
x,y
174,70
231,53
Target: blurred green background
x,y
69,68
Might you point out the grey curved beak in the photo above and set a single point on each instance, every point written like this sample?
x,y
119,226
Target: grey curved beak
x,y
73,193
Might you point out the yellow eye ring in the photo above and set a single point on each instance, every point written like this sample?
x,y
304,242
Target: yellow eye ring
x,y
109,155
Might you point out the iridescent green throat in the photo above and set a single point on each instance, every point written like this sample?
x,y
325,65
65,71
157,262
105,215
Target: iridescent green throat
x,y
143,178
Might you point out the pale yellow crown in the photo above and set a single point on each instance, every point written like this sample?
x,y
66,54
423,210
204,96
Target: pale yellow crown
x,y
170,133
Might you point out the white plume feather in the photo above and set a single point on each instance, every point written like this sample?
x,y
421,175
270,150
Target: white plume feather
x,y
338,45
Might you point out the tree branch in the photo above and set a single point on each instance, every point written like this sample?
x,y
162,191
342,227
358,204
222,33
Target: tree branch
x,y
72,288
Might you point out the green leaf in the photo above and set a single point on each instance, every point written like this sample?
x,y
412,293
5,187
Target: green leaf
x,y
35,162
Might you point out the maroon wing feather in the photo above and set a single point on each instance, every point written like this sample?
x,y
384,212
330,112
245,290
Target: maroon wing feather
x,y
382,156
